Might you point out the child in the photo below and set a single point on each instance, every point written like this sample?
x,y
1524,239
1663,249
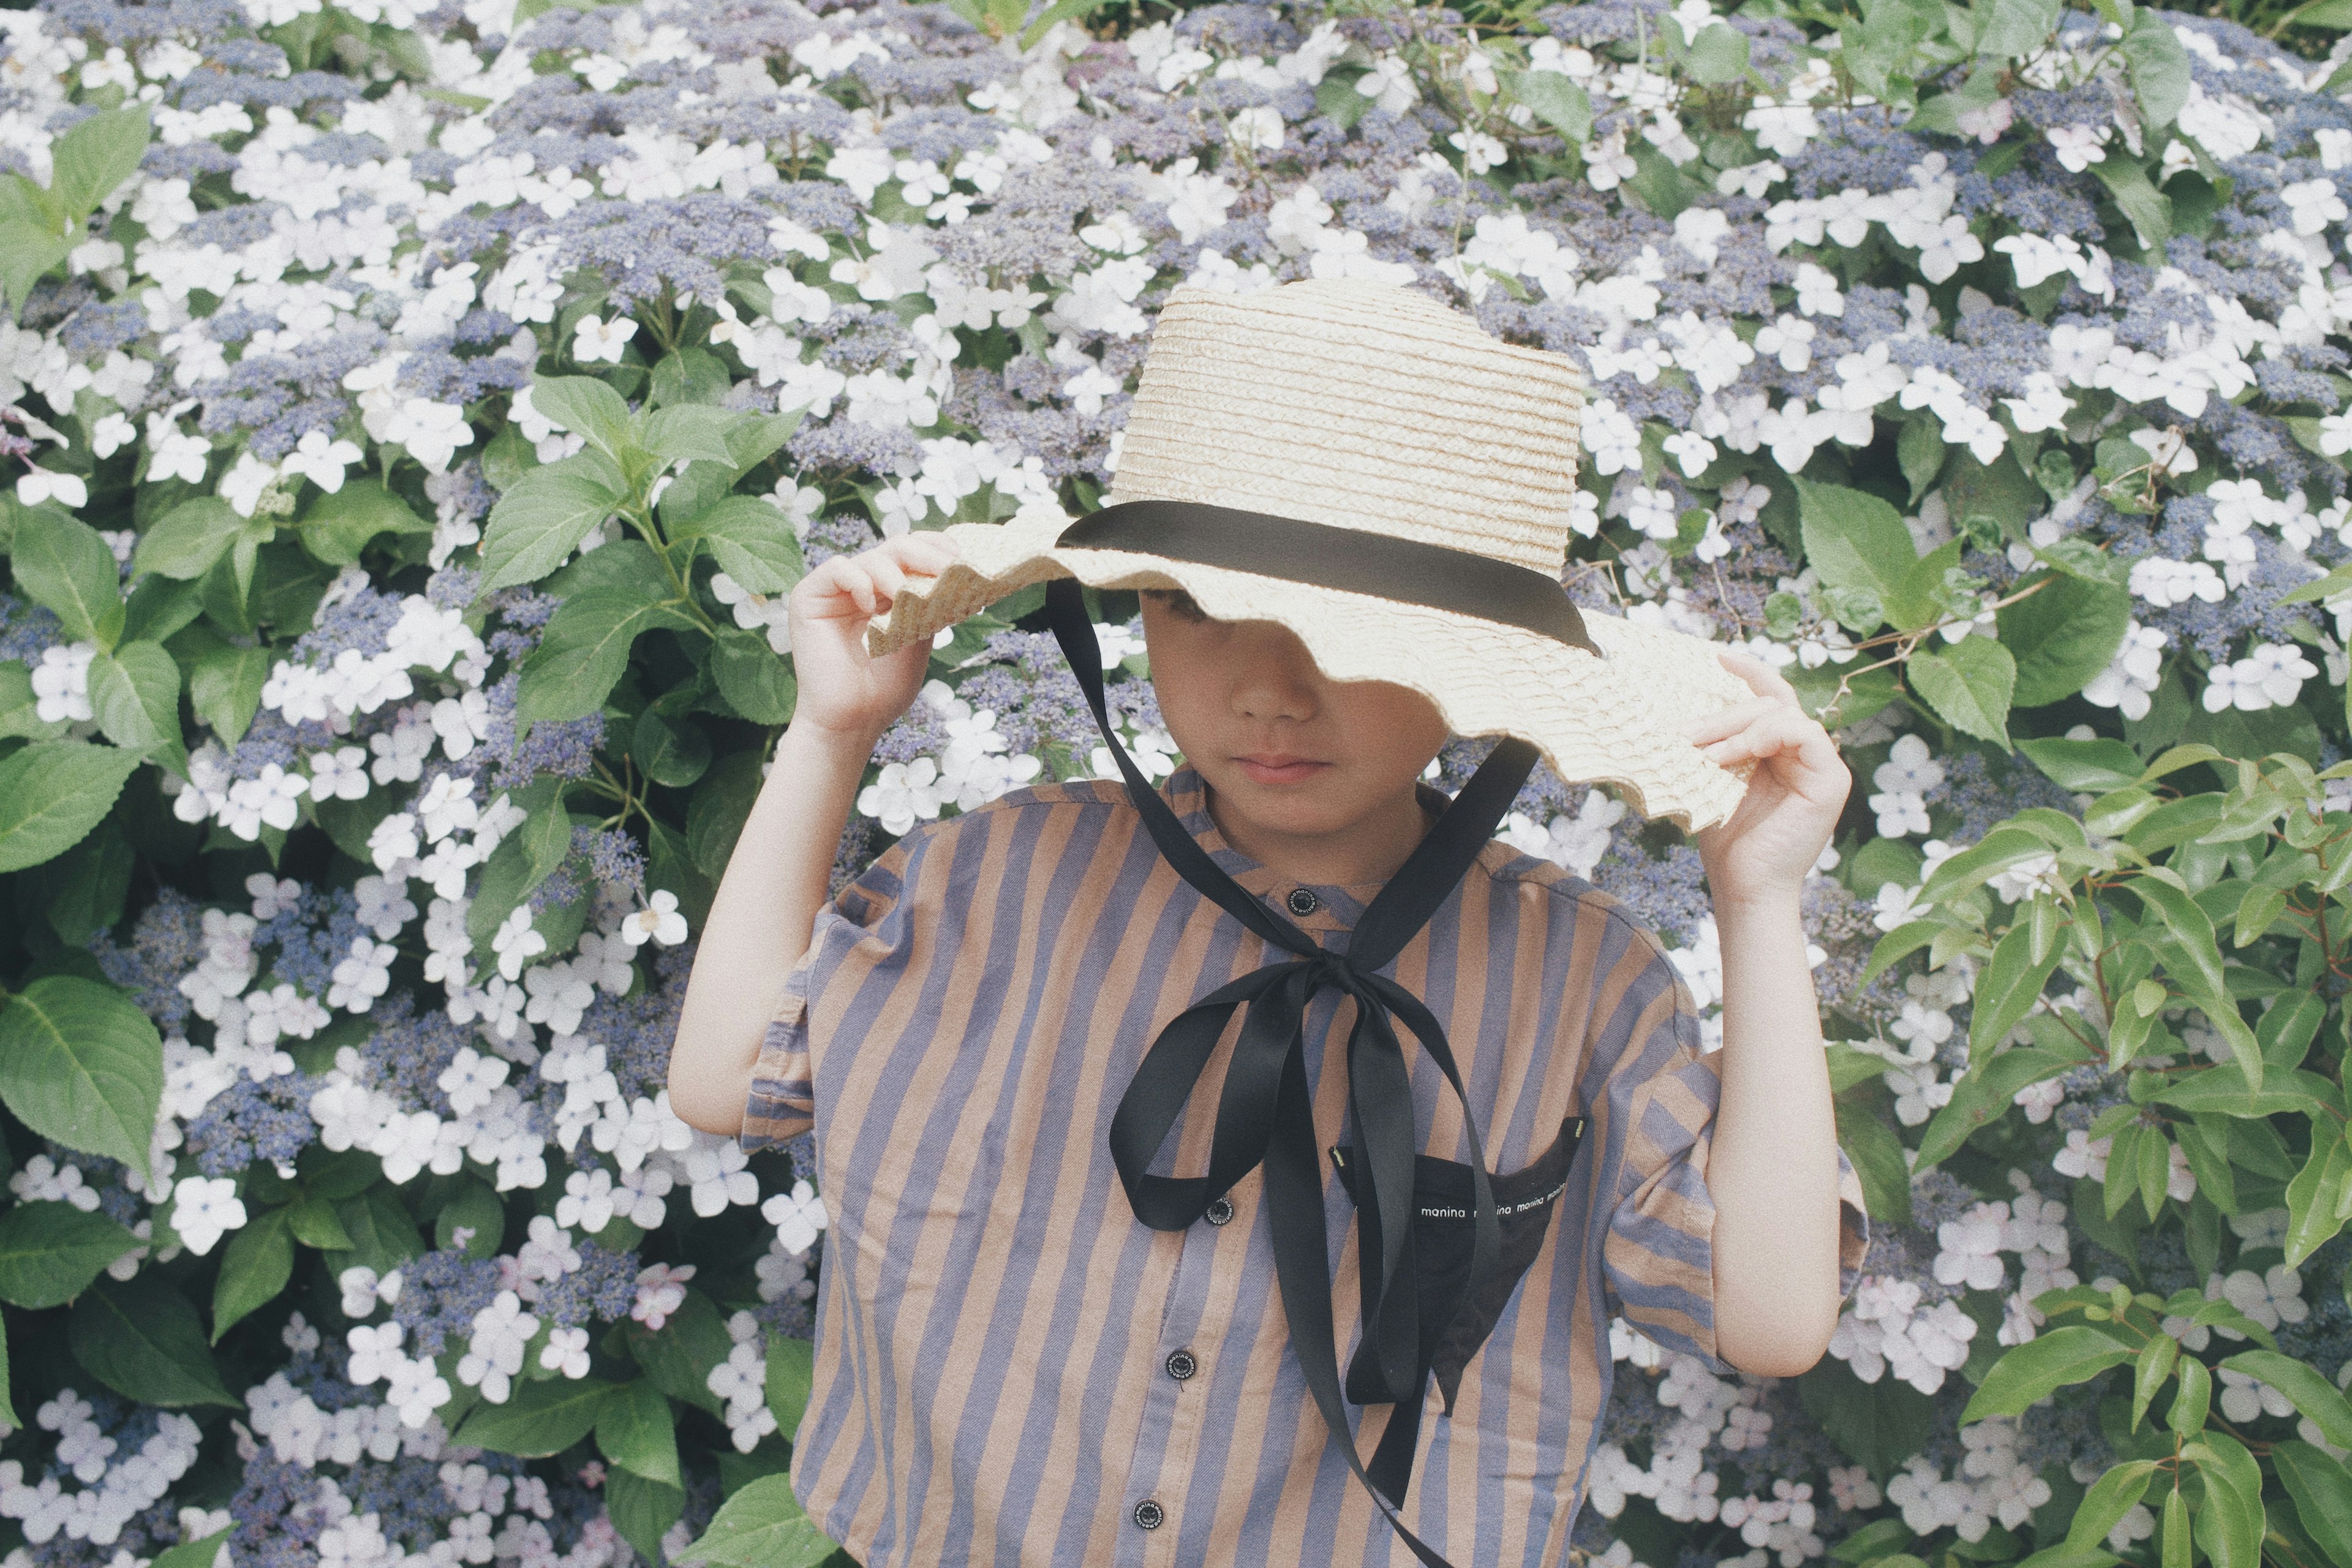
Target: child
x,y
1111,1085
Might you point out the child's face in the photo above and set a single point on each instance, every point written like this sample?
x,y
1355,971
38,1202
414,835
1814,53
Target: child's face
x,y
1287,748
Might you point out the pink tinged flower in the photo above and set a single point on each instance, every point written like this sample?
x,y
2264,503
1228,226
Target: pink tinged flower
x,y
661,1291
2078,146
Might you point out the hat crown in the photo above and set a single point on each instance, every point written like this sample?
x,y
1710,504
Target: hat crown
x,y
1361,406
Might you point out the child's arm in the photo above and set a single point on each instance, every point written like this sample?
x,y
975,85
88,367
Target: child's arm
x,y
1772,1168
761,922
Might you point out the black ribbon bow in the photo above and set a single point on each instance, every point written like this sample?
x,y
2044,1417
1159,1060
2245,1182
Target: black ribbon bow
x,y
1266,1114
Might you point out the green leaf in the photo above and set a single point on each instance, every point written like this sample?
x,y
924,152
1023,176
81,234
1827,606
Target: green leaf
x,y
1919,448
19,710
2334,14
52,793
2314,1395
753,678
2323,1497
478,1209
1720,54
2064,635
762,1526
314,1224
7,1394
1060,11
187,540
539,522
49,1252
2111,1497
792,1375
2093,767
95,156
523,859
27,251
225,688
2224,1090
254,1266
1557,102
587,407
2194,1400
1337,100
636,1431
339,526
541,1419
2193,930
1876,1425
1923,598
1983,1093
2150,210
689,431
2008,29
643,1511
678,1358
2010,985
2173,1532
585,647
670,752
2314,1196
382,1235
79,1064
1877,1156
135,692
1854,541
64,564
200,1553
145,1342
2034,1370
2230,1520
2151,1372
2159,68
751,541
1969,685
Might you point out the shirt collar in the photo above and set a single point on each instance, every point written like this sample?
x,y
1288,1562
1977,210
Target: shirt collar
x,y
1337,905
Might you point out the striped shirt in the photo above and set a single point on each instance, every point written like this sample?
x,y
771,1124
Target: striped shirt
x,y
998,1371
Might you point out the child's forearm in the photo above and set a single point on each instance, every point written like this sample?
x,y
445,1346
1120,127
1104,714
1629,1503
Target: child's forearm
x,y
761,922
1772,1170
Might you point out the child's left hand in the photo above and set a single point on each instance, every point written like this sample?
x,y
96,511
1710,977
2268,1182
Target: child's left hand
x,y
1794,798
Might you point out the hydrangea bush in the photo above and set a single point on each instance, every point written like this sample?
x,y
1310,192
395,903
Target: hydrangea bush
x,y
414,419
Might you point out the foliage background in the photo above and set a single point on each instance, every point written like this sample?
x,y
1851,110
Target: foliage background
x,y
414,418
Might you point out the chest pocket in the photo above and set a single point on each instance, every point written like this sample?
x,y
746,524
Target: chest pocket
x,y
1453,1329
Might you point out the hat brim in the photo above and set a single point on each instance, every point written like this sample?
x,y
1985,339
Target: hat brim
x,y
1617,719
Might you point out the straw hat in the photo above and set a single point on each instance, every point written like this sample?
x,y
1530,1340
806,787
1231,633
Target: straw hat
x,y
1375,410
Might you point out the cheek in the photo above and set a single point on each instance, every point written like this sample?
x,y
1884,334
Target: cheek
x,y
1400,728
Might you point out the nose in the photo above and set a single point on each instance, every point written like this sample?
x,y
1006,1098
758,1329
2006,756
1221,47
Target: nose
x,y
1273,676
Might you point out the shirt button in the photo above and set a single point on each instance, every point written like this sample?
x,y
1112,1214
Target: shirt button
x,y
1303,901
1182,1365
1220,1212
1149,1515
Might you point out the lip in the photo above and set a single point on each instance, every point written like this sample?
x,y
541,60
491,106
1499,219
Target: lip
x,y
1278,767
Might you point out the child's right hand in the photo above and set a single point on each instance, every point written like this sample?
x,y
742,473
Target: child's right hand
x,y
841,689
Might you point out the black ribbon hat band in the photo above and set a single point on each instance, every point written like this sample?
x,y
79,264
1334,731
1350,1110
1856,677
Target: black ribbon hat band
x,y
1266,1114
1349,560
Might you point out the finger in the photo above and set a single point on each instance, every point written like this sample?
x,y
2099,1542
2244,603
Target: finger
x,y
857,585
1730,721
887,577
1761,677
1781,733
928,554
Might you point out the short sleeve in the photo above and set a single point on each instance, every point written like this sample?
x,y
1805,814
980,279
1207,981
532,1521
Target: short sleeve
x,y
782,1103
1658,1256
